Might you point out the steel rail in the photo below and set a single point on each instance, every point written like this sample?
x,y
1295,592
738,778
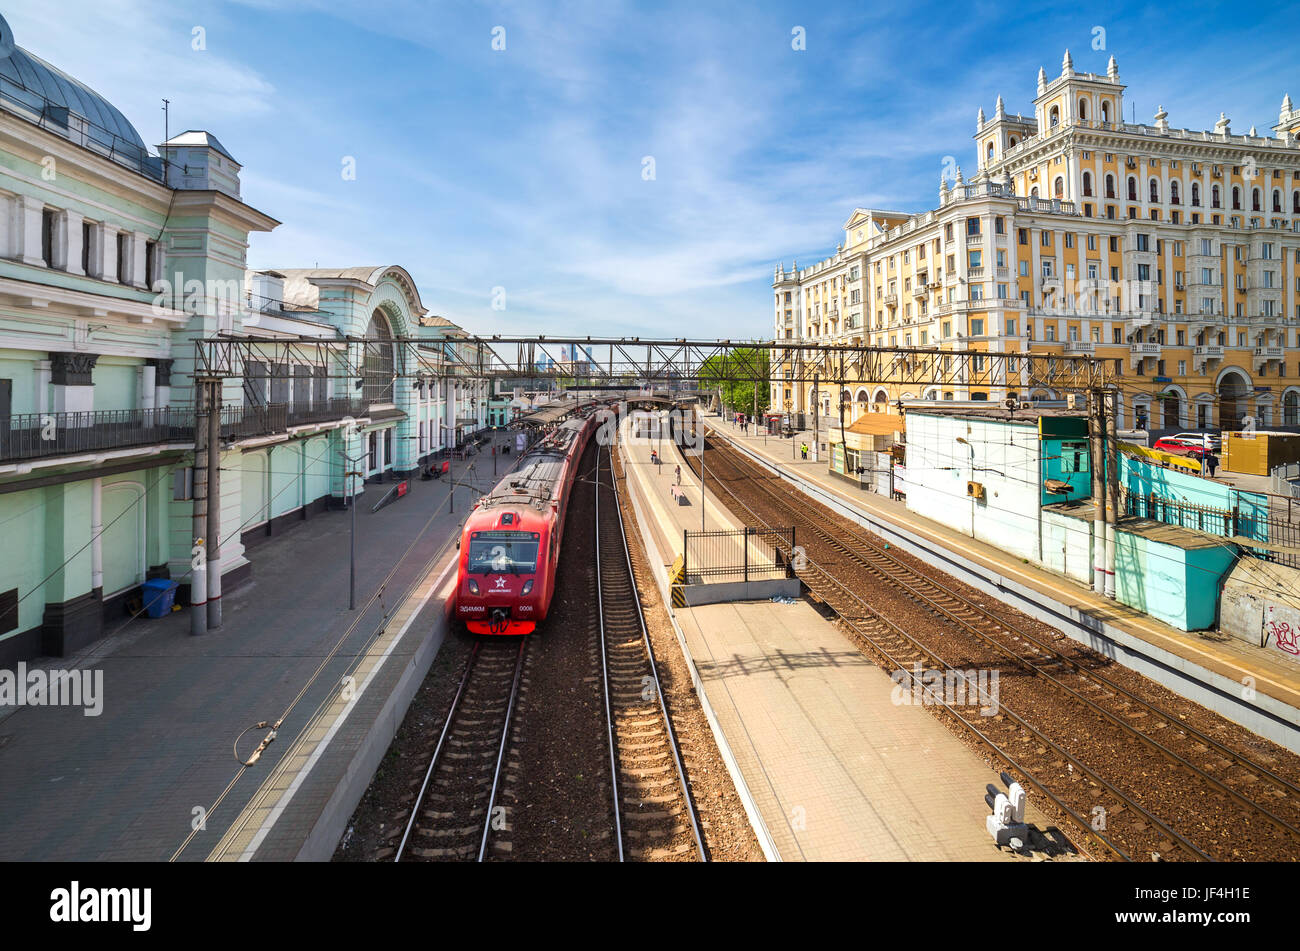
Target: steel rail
x,y
501,751
437,750
654,670
604,671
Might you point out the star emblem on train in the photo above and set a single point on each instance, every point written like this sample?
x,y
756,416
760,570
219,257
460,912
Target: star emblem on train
x,y
501,583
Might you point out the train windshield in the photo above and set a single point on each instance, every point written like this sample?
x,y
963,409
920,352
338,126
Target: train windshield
x,y
503,553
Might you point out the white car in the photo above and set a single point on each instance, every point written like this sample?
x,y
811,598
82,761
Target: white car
x,y
1207,440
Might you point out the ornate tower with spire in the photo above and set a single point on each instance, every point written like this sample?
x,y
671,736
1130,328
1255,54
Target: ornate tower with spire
x,y
1288,121
1075,98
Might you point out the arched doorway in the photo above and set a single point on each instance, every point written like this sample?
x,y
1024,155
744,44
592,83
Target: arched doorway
x,y
1291,408
1171,409
378,373
1234,400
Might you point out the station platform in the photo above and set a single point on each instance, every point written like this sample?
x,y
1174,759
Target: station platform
x,y
829,767
153,776
1251,685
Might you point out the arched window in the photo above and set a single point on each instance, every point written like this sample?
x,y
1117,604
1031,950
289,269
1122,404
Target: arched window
x,y
1277,201
1033,192
1254,199
1132,188
1087,184
1216,200
1196,194
990,152
1295,203
1110,184
1058,189
378,369
1173,193
1012,140
1083,110
1105,110
1054,117
1155,190
1236,198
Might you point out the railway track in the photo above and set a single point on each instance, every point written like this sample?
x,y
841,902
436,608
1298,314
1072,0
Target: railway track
x,y
654,816
1119,716
454,813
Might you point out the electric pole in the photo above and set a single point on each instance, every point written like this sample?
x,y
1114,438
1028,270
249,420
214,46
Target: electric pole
x,y
1112,479
1097,454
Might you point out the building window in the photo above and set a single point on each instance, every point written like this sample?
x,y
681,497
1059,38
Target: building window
x,y
87,237
1132,188
47,236
1087,183
1196,194
122,263
150,262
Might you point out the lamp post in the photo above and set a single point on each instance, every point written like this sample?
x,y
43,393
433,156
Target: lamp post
x,y
351,495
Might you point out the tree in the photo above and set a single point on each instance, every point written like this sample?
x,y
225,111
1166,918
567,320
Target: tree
x,y
733,374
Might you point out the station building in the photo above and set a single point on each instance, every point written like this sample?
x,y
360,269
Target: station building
x,y
1173,253
113,261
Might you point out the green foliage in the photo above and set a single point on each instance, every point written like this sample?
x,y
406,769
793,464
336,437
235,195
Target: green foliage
x,y
732,374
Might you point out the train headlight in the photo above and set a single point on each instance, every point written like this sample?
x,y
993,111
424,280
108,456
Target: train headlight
x,y
528,586
473,586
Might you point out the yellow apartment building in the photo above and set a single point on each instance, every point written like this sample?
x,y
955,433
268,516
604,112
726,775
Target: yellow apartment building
x,y
1173,253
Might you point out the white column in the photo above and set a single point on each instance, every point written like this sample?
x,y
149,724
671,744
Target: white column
x,y
97,534
137,277
28,211
42,377
148,387
103,256
72,242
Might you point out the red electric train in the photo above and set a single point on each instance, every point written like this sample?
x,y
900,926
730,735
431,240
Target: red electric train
x,y
510,542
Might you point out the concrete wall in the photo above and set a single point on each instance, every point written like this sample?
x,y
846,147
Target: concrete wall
x,y
1261,605
1178,586
1003,457
1067,546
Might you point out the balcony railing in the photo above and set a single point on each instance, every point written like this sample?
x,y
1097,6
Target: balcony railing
x,y
40,435
44,435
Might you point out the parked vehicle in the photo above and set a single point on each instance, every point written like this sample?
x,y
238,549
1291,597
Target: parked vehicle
x,y
1182,447
1208,440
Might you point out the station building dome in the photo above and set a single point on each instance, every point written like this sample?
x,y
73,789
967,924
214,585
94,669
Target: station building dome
x,y
43,93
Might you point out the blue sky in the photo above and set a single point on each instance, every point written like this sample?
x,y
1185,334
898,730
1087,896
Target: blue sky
x,y
522,168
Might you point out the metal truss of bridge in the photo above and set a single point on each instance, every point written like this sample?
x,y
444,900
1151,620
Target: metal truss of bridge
x,y
636,360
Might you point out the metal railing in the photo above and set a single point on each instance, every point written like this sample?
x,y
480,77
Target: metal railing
x,y
40,435
35,106
750,554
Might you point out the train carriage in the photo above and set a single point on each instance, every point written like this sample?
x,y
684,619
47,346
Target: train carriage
x,y
510,542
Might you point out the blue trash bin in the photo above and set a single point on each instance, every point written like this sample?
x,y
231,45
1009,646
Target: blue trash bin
x,y
159,596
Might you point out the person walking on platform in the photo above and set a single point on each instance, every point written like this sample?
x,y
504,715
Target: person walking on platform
x,y
679,475
1211,463
803,448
